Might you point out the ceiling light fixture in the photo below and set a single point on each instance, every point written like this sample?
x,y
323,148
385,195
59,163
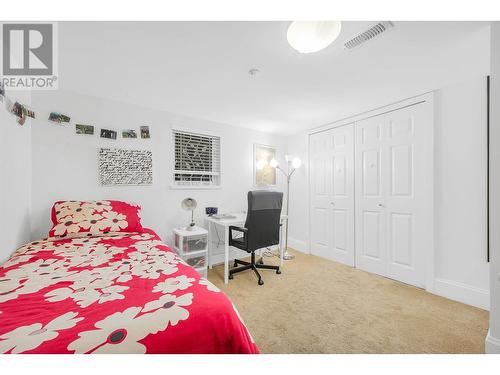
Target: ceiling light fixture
x,y
312,36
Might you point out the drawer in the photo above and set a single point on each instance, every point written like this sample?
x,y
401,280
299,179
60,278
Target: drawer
x,y
191,243
198,260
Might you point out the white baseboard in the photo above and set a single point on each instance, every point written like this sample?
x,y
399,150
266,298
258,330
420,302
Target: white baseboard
x,y
298,245
462,293
492,344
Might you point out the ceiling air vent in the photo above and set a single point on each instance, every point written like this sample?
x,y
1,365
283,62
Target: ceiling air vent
x,y
371,33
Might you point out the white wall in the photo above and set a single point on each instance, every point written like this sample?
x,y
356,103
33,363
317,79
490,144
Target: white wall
x,y
493,338
298,229
15,178
461,269
65,164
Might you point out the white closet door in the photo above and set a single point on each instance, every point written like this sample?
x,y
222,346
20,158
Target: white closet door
x,y
391,179
332,194
320,187
406,195
342,194
370,198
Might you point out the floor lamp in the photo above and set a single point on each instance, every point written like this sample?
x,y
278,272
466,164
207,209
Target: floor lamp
x,y
292,165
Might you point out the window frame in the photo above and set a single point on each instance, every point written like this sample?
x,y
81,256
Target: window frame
x,y
213,134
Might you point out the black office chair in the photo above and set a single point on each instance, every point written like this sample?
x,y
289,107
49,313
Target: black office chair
x,y
262,229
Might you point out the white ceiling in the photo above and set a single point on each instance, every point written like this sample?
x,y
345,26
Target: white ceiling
x,y
200,69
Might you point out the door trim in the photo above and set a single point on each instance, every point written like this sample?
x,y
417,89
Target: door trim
x,y
427,97
428,100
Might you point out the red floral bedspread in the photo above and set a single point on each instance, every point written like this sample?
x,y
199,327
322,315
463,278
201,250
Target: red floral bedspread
x,y
127,293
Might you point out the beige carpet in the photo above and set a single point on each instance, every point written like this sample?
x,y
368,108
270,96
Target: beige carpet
x,y
319,306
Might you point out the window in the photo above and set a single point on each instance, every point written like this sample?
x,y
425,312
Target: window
x,y
197,159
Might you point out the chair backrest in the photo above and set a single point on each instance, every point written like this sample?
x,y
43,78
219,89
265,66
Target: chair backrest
x,y
263,218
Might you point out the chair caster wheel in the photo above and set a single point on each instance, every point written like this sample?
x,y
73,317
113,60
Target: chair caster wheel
x,y
261,261
231,277
235,264
261,282
278,272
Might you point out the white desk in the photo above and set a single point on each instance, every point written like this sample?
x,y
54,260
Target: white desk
x,y
225,224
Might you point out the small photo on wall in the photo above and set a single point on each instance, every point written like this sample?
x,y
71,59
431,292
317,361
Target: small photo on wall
x,y
17,109
59,118
129,133
84,129
28,112
145,132
109,134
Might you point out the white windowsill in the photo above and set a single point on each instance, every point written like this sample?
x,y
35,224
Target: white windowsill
x,y
187,187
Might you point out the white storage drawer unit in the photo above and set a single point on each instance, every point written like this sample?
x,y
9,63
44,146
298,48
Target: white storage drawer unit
x,y
192,246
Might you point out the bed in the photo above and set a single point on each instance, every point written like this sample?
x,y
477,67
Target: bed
x,y
111,291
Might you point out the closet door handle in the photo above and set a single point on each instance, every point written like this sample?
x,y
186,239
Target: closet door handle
x,y
332,203
381,205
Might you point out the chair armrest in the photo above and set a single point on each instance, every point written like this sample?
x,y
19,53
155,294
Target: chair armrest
x,y
238,229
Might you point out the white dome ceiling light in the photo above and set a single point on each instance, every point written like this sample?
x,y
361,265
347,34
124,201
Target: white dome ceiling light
x,y
312,36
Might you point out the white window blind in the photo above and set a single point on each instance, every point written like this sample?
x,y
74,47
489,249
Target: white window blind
x,y
197,159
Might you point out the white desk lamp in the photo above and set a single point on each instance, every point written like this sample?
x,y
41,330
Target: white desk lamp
x,y
293,163
189,204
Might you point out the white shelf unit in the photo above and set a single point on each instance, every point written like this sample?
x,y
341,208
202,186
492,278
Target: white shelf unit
x,y
192,247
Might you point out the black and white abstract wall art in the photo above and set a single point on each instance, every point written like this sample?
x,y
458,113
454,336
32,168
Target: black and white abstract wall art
x,y
125,167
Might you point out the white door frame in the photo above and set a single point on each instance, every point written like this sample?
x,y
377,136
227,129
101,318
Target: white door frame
x,y
428,99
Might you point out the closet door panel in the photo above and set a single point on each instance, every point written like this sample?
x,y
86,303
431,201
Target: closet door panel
x,y
391,220
370,214
405,195
401,228
371,173
340,176
371,235
341,230
320,190
401,168
342,198
332,194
